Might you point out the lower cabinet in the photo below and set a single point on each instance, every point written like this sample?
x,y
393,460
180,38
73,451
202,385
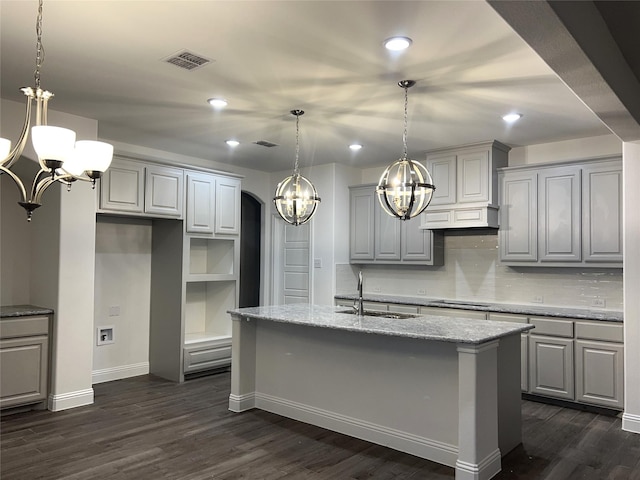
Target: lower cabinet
x,y
24,360
551,366
524,345
207,355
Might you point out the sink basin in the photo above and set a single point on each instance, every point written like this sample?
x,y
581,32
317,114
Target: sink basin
x,y
373,313
462,302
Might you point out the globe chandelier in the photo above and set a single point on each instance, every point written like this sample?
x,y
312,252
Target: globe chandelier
x,y
405,188
61,158
296,199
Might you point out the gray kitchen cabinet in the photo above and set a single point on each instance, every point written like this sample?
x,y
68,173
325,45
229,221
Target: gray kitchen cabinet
x,y
524,345
567,215
466,184
602,212
454,312
24,360
213,204
559,213
551,358
376,237
137,188
599,364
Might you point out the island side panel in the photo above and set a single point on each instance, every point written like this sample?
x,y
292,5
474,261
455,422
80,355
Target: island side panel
x,y
509,394
398,392
243,364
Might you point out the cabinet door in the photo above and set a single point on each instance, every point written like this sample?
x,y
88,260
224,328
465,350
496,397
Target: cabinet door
x,y
122,187
442,168
559,214
551,366
602,214
599,373
227,206
23,370
361,223
386,242
163,192
200,201
416,244
473,176
518,217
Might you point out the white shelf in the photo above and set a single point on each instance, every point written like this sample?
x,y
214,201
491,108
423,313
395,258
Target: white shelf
x,y
211,256
206,308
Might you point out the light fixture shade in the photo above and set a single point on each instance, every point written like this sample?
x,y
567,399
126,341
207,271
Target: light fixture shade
x,y
296,199
53,143
5,148
405,189
95,156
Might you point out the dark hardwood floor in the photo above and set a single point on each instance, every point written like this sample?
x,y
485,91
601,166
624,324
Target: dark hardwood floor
x,y
147,428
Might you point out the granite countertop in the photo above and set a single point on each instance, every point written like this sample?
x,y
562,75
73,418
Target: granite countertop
x,y
23,311
542,310
427,327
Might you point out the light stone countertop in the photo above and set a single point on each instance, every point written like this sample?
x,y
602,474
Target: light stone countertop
x,y
542,310
23,311
427,327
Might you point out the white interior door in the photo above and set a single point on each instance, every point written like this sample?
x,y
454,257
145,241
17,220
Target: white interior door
x,y
291,260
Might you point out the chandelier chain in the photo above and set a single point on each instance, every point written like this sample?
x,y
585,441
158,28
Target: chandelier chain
x,y
39,47
404,132
295,166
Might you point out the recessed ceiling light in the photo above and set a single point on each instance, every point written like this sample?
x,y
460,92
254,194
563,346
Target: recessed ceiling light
x,y
217,102
355,147
397,43
232,143
512,117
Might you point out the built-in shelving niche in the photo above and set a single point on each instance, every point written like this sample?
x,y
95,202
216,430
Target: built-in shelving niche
x,y
206,316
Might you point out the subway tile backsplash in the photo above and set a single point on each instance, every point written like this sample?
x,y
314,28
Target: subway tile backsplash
x,y
472,271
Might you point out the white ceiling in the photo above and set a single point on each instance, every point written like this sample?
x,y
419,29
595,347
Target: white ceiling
x,y
104,60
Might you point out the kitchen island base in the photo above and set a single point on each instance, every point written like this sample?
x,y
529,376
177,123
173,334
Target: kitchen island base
x,y
453,403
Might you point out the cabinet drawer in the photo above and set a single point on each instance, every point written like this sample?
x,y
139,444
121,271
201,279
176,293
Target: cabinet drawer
x,y
395,308
199,357
556,328
506,317
24,326
453,312
600,331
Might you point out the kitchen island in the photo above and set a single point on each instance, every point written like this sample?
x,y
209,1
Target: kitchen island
x,y
436,387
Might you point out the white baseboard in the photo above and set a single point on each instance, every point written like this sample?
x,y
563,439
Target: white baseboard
x,y
65,401
486,469
118,373
423,447
631,422
241,403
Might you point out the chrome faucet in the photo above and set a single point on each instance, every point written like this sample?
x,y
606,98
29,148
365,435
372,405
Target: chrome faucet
x,y
359,308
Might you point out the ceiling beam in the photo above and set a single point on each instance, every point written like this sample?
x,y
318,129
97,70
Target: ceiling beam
x,y
574,40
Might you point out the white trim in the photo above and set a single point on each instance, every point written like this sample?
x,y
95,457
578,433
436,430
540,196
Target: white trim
x,y
68,400
631,423
484,470
118,373
405,442
241,403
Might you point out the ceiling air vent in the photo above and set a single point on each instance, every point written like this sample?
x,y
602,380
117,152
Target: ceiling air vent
x,y
187,60
264,143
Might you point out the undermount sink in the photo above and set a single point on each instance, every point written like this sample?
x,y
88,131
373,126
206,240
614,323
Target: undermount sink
x,y
373,313
462,302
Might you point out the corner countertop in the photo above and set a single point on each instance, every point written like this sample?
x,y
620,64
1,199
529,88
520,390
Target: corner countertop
x,y
545,311
426,327
23,311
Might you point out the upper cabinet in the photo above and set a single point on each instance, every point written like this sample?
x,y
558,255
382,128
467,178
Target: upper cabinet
x,y
213,204
466,182
562,215
376,237
145,189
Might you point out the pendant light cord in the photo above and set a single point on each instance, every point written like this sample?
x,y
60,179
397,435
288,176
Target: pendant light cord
x,y
404,132
295,167
39,47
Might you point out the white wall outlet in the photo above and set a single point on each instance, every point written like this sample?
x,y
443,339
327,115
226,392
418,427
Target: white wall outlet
x,y
104,335
317,263
422,291
598,303
114,311
538,299
376,289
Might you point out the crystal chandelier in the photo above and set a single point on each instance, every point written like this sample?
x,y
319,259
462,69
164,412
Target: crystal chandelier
x,y
405,187
61,158
296,199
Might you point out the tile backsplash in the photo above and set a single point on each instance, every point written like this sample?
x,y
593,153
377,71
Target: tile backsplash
x,y
472,271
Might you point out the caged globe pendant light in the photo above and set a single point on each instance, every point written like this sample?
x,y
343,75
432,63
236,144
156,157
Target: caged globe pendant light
x,y
296,199
61,158
405,187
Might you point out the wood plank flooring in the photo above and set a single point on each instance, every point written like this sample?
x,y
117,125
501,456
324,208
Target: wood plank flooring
x,y
147,428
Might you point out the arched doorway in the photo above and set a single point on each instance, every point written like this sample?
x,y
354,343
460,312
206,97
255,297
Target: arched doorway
x,y
250,245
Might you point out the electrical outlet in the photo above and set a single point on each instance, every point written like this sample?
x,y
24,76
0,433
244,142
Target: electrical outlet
x,y
317,263
376,289
598,303
538,299
422,291
114,311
